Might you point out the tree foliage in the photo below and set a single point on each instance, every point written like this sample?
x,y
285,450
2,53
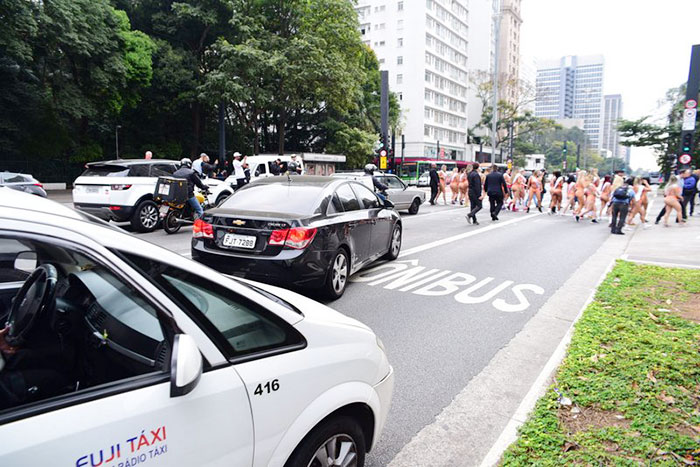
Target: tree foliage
x,y
290,75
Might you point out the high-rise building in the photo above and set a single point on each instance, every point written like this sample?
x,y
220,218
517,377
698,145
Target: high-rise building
x,y
572,87
611,117
423,45
509,47
481,52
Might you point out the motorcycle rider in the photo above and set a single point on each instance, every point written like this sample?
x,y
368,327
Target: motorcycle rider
x,y
379,187
185,171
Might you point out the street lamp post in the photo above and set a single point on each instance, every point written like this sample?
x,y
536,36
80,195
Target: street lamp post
x,y
116,139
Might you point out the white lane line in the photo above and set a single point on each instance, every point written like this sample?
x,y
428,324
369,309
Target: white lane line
x,y
471,233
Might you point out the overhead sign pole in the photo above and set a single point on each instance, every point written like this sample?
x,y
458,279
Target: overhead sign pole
x,y
690,111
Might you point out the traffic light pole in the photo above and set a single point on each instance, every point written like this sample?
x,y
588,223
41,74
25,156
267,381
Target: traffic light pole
x,y
690,110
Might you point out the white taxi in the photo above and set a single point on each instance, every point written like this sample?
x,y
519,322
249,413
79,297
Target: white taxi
x,y
120,353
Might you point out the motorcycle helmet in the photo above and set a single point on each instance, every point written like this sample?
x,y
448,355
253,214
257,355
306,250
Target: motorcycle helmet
x,y
370,168
186,162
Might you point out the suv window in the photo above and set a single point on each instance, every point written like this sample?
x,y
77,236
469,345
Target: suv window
x,y
368,198
347,198
162,170
244,326
138,170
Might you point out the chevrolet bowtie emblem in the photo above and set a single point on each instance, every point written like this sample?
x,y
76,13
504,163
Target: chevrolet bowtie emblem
x,y
238,222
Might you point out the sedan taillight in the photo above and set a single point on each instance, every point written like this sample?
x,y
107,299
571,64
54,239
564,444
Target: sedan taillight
x,y
297,238
202,229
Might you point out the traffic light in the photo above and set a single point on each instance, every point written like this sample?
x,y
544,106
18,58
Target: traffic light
x,y
687,142
563,150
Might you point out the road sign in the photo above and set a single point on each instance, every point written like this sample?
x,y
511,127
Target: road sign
x,y
382,162
689,116
685,159
510,163
442,153
691,104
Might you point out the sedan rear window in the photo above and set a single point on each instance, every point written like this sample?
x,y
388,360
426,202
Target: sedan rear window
x,y
276,197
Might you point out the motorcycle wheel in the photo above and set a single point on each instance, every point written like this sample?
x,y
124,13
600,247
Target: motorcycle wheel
x,y
170,223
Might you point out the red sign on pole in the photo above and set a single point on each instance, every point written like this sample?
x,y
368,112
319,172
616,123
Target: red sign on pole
x,y
442,153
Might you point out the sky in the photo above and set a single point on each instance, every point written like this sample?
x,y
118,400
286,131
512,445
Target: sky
x,y
646,45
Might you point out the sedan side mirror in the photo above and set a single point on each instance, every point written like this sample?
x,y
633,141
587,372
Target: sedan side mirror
x,y
388,204
185,366
26,261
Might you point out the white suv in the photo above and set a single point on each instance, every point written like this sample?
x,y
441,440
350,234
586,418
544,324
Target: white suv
x,y
120,352
122,190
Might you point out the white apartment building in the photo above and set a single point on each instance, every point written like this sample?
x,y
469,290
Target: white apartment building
x,y
509,47
572,87
423,45
611,116
480,50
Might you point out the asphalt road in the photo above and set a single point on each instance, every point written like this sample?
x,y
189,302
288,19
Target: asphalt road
x,y
457,295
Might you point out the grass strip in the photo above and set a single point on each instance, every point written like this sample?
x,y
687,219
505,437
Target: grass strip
x,y
628,391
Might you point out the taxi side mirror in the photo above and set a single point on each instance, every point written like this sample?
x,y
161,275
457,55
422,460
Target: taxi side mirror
x,y
185,366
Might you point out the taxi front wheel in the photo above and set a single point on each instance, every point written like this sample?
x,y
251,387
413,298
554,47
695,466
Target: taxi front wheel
x,y
337,441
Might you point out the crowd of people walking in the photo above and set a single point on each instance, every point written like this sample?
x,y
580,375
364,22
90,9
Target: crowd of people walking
x,y
584,195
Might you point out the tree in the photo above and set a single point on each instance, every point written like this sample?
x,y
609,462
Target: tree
x,y
513,115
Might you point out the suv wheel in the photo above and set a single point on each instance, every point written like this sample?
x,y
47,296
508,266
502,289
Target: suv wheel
x,y
221,198
337,441
145,217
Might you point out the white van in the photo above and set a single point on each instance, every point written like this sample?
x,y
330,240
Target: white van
x,y
260,167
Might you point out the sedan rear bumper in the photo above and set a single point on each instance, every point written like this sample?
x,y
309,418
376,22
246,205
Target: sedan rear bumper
x,y
291,268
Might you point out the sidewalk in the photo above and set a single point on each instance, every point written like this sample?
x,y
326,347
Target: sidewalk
x,y
674,246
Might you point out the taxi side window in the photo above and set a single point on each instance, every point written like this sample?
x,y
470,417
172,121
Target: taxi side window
x,y
347,198
239,325
97,332
369,199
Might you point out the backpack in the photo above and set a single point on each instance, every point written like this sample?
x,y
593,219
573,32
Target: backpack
x,y
621,194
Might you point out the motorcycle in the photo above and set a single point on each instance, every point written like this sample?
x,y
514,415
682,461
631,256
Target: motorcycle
x,y
176,215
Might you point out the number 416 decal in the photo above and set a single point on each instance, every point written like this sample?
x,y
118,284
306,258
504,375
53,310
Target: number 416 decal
x,y
270,386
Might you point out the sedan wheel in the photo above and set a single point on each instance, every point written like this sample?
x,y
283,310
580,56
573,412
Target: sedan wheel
x,y
338,275
395,247
415,206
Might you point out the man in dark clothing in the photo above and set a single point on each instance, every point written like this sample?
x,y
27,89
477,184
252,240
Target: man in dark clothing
x,y
275,167
621,198
185,171
434,182
475,194
689,190
495,186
